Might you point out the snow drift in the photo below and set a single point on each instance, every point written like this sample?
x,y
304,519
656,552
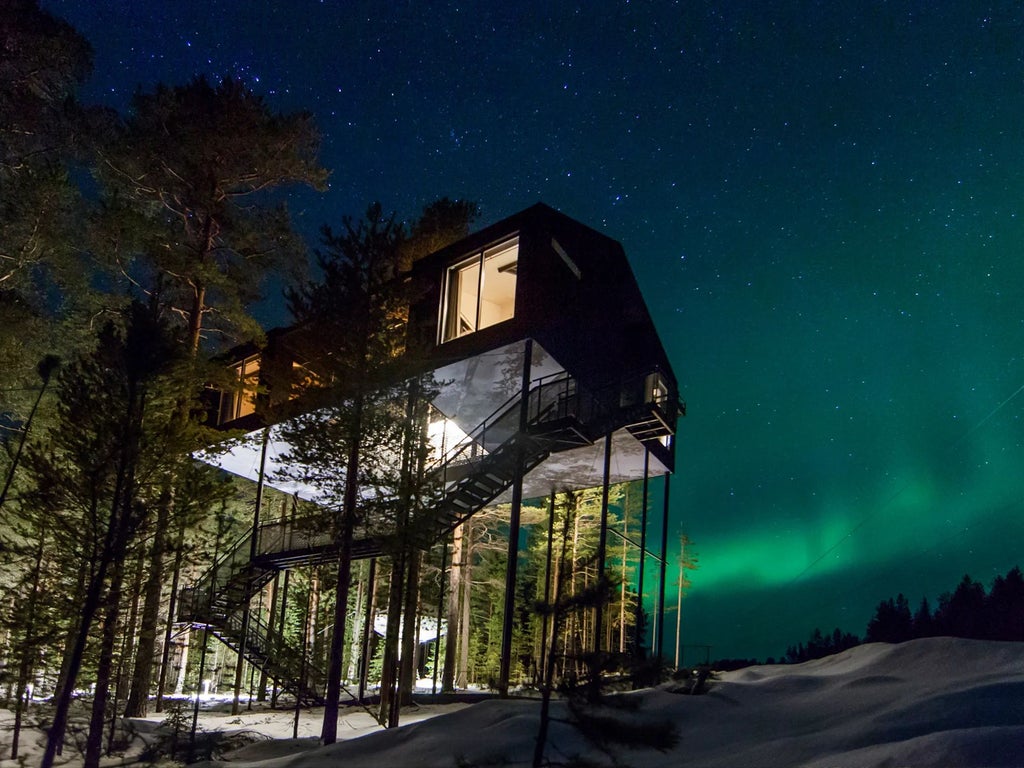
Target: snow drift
x,y
933,702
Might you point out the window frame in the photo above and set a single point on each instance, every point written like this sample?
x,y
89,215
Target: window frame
x,y
452,289
240,400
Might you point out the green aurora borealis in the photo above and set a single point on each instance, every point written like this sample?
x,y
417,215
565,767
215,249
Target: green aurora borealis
x,y
823,203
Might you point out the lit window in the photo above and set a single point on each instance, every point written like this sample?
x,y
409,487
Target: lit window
x,y
480,291
302,379
241,400
655,389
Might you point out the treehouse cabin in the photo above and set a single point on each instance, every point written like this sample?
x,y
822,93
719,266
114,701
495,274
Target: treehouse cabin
x,y
549,376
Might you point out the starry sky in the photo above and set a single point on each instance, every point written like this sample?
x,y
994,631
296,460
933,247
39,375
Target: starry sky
x,y
824,206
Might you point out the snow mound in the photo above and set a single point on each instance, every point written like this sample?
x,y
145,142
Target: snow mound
x,y
932,702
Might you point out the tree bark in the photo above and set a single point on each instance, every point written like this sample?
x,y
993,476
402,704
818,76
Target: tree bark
x,y
451,641
94,741
344,534
462,678
142,671
172,605
128,636
388,716
28,648
410,639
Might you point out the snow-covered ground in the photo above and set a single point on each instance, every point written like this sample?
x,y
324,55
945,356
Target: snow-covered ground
x,y
933,702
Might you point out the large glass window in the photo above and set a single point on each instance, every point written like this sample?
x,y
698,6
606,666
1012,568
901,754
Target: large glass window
x,y
480,291
241,400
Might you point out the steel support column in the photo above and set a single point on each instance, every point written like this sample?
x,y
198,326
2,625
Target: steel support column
x,y
638,648
664,566
602,541
512,565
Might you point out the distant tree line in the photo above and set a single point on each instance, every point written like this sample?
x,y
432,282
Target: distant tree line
x,y
968,611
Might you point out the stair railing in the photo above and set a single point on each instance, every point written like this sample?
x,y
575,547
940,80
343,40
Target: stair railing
x,y
196,600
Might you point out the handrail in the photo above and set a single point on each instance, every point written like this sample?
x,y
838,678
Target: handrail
x,y
599,398
551,396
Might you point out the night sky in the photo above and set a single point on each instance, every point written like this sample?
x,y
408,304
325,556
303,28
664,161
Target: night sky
x,y
824,206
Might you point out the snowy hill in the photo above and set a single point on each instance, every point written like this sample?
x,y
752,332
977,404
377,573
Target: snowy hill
x,y
934,702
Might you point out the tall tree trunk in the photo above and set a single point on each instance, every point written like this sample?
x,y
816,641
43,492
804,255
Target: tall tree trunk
x,y
353,642
28,650
343,536
115,545
622,586
195,314
172,607
93,598
85,577
410,633
367,633
186,642
352,670
548,672
280,628
316,647
142,672
454,610
128,637
462,679
104,669
388,715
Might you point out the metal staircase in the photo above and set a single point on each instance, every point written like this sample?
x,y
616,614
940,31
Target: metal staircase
x,y
557,415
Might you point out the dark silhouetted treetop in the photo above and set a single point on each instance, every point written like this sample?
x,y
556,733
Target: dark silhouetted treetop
x,y
442,222
820,645
44,60
892,622
44,276
198,162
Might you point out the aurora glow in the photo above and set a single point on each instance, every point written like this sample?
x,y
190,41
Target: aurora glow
x,y
823,205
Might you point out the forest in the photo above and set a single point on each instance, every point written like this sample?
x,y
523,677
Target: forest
x,y
968,611
132,248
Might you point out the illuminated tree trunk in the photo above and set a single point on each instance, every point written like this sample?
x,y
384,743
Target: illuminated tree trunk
x,y
353,647
271,596
387,715
622,586
453,613
464,621
179,685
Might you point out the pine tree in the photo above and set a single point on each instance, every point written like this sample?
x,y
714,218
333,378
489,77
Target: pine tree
x,y
1005,606
962,614
109,445
45,285
892,622
190,170
188,180
923,623
351,338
